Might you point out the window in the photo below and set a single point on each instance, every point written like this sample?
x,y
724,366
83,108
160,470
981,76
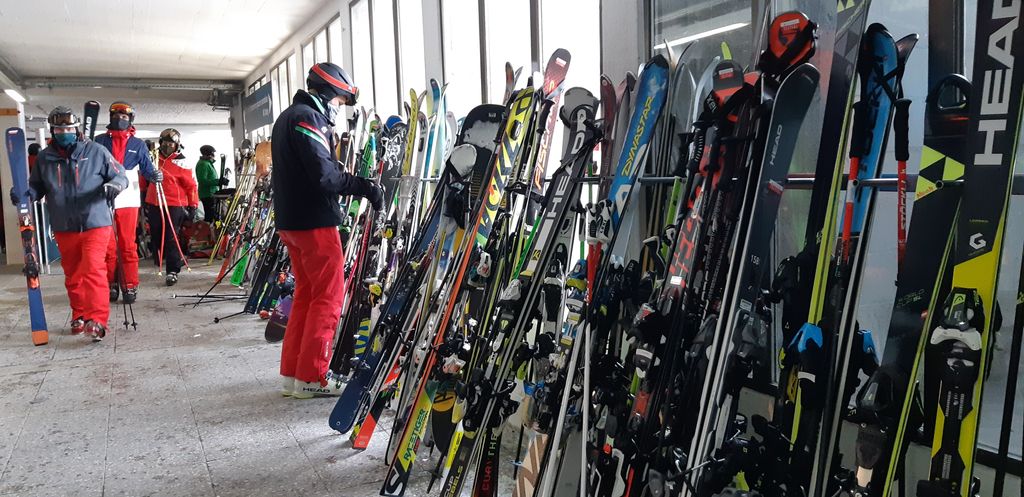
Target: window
x,y
320,47
275,94
334,43
282,86
362,61
293,71
508,39
414,71
308,57
583,44
460,22
385,79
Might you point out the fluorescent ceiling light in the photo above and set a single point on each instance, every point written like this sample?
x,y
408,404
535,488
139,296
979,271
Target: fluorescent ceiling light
x,y
705,34
15,95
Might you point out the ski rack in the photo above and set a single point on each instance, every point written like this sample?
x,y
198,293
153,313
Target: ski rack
x,y
800,181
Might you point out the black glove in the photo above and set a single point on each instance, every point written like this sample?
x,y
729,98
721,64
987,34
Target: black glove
x,y
375,194
15,199
190,214
223,182
110,191
158,176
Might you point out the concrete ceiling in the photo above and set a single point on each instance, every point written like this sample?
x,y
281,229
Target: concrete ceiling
x,y
129,40
189,39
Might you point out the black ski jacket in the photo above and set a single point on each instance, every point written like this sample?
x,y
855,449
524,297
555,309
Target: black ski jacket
x,y
306,177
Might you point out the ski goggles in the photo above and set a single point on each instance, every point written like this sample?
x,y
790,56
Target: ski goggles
x,y
63,120
121,108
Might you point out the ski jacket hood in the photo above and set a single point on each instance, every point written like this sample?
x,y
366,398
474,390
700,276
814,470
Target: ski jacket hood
x,y
73,185
306,175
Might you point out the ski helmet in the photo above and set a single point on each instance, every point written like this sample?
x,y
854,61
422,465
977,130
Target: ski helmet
x,y
170,135
329,80
121,107
63,117
207,150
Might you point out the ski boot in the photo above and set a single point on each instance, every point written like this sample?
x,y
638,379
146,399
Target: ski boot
x,y
95,330
77,326
287,386
171,279
130,295
114,292
330,387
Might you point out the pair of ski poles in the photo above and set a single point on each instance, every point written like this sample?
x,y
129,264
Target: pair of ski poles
x,y
166,220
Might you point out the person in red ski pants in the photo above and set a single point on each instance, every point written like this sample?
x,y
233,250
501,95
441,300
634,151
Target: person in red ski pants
x,y
131,152
307,180
79,180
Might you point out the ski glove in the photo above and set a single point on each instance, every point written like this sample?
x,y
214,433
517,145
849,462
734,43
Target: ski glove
x,y
190,214
223,182
110,191
158,176
14,196
375,194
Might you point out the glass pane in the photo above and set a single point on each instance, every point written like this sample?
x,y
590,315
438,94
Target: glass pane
x,y
362,61
320,46
411,32
461,37
282,85
293,70
582,42
307,56
384,57
508,39
275,100
334,43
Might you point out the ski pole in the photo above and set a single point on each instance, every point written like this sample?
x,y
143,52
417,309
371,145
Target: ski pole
x,y
166,211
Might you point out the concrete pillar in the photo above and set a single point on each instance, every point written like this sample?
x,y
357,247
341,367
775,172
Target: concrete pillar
x,y
12,114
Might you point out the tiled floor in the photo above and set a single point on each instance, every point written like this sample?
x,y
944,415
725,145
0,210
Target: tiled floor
x,y
182,406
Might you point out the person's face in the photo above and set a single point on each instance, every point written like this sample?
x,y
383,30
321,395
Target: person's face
x,y
122,116
64,129
339,100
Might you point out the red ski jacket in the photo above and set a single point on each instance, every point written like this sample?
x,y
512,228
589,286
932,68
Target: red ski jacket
x,y
179,184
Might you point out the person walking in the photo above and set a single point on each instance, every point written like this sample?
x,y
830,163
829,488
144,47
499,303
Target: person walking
x,y
79,180
307,181
133,155
175,207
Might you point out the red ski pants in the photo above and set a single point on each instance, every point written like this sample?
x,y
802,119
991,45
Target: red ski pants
x,y
82,255
317,263
126,220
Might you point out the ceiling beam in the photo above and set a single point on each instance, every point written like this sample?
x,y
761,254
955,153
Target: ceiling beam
x,y
135,84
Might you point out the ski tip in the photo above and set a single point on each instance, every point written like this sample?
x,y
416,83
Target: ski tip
x,y
40,337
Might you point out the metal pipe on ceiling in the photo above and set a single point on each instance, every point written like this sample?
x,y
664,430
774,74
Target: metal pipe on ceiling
x,y
135,84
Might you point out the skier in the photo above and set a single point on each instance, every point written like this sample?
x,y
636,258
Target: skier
x,y
307,180
209,183
133,155
180,199
80,181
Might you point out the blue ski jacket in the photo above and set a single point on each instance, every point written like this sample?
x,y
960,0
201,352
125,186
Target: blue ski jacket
x,y
135,154
73,185
306,175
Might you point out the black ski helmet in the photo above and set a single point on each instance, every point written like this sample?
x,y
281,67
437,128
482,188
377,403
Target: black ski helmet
x,y
329,80
63,117
122,107
207,150
170,135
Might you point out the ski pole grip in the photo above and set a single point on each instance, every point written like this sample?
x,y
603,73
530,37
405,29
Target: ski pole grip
x,y
901,126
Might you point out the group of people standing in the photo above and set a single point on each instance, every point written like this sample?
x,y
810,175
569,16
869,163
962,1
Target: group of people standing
x,y
94,190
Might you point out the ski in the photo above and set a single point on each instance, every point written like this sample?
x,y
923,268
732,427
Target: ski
x,y
17,157
89,118
963,336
